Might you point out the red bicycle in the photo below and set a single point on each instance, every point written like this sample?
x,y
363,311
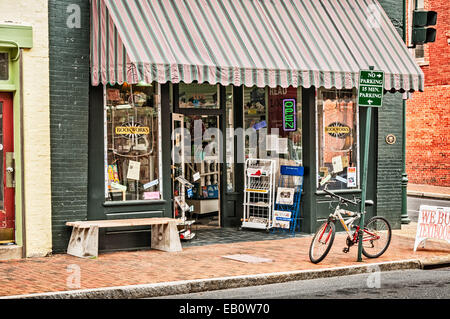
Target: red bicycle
x,y
376,233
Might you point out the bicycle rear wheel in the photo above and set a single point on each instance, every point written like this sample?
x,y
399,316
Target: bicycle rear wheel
x,y
376,237
322,242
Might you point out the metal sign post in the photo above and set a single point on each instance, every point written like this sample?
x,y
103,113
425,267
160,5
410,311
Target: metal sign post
x,y
370,94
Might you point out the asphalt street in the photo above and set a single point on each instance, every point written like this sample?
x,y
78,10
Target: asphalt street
x,y
407,284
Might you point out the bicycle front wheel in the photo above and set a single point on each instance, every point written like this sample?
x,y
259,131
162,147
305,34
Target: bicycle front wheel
x,y
376,237
322,242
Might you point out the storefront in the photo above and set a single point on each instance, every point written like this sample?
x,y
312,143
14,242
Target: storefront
x,y
25,187
190,91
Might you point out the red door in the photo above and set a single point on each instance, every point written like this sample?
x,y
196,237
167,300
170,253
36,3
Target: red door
x,y
7,168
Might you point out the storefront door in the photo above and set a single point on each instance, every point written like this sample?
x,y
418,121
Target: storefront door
x,y
196,168
7,169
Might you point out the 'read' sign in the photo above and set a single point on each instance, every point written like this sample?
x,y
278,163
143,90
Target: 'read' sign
x,y
433,223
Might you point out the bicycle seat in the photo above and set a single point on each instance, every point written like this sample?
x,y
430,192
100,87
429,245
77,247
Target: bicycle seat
x,y
369,202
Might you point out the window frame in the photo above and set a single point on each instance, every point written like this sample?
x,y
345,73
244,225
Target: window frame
x,y
317,149
412,4
194,110
105,153
8,71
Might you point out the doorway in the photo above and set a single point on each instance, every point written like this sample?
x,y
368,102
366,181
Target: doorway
x,y
7,213
196,169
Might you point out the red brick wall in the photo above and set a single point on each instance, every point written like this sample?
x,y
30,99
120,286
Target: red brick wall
x,y
428,113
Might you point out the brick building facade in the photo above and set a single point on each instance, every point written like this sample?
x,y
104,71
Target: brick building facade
x,y
72,145
428,117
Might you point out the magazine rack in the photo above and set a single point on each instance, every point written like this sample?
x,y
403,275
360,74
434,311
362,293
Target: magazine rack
x,y
186,232
259,193
287,210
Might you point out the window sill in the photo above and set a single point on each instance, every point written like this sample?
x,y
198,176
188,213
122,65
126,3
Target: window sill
x,y
341,191
422,62
135,203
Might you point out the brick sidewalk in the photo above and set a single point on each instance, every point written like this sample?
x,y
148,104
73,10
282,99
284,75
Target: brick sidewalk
x,y
50,274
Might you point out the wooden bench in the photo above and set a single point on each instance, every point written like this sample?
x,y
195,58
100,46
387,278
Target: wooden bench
x,y
84,240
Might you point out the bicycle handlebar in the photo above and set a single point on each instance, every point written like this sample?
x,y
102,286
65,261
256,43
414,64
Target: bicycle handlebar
x,y
341,199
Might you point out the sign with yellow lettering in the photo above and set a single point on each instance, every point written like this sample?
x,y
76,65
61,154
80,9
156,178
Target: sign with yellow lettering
x,y
134,130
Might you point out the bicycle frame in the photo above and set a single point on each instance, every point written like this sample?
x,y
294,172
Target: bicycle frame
x,y
347,224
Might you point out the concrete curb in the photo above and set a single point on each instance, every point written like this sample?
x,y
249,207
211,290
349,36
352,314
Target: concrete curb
x,y
202,285
428,195
435,262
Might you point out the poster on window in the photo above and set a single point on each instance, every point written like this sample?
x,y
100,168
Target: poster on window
x,y
351,177
134,170
337,164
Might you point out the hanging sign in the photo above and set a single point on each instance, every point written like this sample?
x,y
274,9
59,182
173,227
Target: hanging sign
x,y
289,115
371,88
433,223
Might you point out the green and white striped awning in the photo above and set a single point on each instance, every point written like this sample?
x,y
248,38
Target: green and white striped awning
x,y
248,42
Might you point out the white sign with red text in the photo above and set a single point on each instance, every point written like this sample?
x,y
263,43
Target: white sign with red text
x,y
433,223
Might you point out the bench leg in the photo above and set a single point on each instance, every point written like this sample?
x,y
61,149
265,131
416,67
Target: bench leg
x,y
165,237
84,242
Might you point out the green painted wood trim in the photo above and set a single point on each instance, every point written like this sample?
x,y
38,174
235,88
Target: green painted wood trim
x,y
98,208
309,199
13,85
18,147
20,34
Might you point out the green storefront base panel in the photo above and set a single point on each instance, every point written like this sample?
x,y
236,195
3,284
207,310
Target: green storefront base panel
x,y
127,238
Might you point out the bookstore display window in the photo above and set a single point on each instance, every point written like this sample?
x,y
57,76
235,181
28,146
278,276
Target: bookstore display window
x,y
338,139
132,155
267,131
202,96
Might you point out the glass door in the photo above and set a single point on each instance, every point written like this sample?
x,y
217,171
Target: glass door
x,y
202,167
